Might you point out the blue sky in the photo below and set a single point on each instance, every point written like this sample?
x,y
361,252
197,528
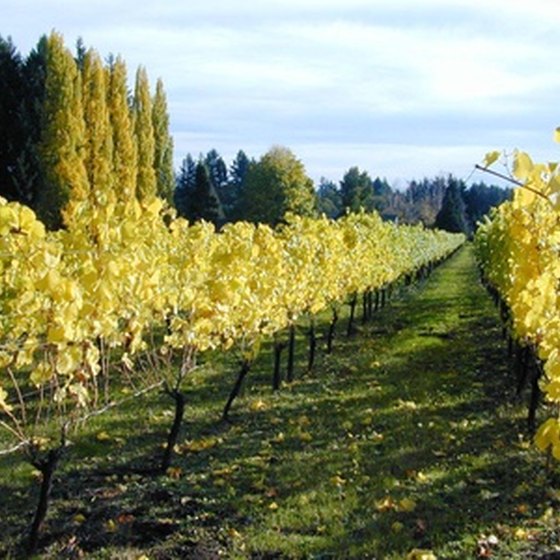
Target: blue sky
x,y
401,88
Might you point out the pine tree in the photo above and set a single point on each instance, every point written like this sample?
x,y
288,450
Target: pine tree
x,y
27,174
356,190
186,181
99,141
163,152
452,215
11,125
233,195
63,135
144,132
124,145
204,204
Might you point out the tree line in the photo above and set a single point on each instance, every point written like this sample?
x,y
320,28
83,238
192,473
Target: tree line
x,y
70,122
264,190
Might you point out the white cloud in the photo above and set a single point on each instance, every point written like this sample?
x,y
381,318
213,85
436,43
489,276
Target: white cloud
x,y
340,80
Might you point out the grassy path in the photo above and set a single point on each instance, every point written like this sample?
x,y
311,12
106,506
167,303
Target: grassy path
x,y
404,438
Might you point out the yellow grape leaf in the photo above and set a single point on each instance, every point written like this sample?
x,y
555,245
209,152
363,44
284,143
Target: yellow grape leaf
x,y
257,405
305,437
102,436
41,374
522,165
548,436
386,504
196,446
407,505
338,481
420,554
174,472
491,157
557,134
4,406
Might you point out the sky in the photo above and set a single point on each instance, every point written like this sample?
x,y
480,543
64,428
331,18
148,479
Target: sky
x,y
403,89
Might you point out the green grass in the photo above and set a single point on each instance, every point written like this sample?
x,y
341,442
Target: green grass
x,y
405,437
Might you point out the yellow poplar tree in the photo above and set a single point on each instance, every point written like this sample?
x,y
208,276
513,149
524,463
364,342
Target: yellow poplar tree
x,y
124,146
61,147
144,132
163,152
99,142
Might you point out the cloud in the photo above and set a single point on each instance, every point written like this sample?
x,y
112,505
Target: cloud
x,y
340,80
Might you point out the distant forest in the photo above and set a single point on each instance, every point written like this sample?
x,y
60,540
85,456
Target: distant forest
x,y
69,119
207,188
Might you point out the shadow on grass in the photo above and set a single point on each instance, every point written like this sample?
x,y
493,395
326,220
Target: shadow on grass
x,y
400,439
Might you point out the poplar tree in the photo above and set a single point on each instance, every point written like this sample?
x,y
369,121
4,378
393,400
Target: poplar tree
x,y
144,133
99,142
163,150
124,146
63,135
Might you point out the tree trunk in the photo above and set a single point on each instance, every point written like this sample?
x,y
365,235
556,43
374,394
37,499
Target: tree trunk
x,y
521,368
534,403
47,468
312,345
173,435
332,327
364,308
277,375
243,371
377,300
353,303
291,353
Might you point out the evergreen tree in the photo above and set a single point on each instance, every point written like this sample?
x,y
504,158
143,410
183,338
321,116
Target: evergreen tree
x,y
13,141
480,198
453,216
275,185
185,186
98,131
204,204
81,51
232,198
163,151
217,169
329,200
356,190
62,154
144,132
27,175
123,139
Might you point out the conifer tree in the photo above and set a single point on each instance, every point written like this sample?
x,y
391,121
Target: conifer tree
x,y
99,142
185,186
124,145
63,135
11,95
163,151
452,215
144,133
27,174
204,204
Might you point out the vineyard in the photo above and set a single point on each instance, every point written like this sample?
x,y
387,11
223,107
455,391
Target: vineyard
x,y
286,386
373,453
